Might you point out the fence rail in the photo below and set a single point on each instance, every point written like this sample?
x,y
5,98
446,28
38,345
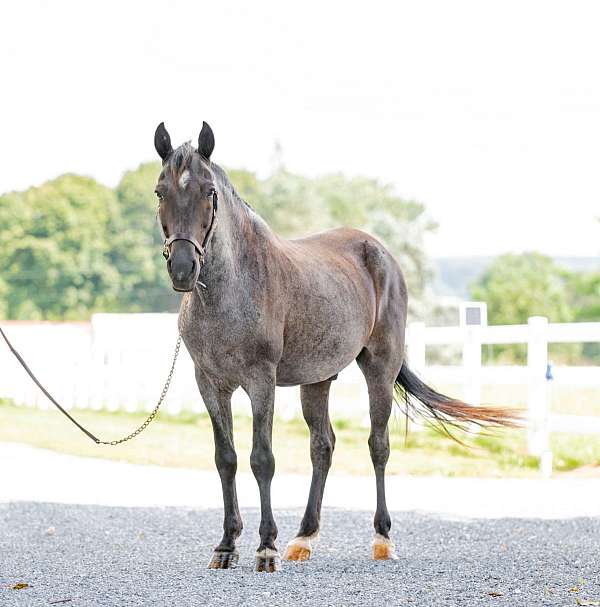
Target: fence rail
x,y
577,332
119,361
537,334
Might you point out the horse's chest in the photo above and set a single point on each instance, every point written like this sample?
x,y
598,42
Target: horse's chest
x,y
222,344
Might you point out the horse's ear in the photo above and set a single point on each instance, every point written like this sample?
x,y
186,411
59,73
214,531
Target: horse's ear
x,y
206,141
162,141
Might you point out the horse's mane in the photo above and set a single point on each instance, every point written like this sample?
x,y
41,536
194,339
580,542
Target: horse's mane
x,y
225,182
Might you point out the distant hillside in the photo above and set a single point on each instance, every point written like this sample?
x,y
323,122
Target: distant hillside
x,y
454,275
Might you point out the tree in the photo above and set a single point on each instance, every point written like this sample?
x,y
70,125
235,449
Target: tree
x,y
136,245
516,287
584,289
75,246
55,246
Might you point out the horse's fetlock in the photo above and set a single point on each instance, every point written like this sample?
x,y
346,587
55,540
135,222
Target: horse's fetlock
x,y
234,528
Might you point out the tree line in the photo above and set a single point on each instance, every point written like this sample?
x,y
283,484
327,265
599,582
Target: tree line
x,y
73,246
516,287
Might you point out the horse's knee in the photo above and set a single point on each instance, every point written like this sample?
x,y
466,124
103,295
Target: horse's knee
x,y
262,462
226,461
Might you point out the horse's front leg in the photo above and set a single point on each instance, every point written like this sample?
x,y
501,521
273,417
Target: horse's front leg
x,y
262,397
218,405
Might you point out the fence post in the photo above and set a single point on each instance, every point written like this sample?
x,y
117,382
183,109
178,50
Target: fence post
x,y
416,347
471,359
537,401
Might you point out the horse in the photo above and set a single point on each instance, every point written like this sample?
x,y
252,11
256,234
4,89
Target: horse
x,y
261,311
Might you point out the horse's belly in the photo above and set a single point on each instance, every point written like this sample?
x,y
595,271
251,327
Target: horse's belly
x,y
327,325
296,376
311,358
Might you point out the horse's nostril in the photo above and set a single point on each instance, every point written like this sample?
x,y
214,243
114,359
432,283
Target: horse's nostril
x,y
182,270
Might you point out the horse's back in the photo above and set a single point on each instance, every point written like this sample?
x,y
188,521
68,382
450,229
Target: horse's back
x,y
373,265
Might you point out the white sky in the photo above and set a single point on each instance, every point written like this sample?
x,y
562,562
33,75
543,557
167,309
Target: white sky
x,y
488,112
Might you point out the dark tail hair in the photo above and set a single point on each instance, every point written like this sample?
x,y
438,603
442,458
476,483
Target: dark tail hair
x,y
441,411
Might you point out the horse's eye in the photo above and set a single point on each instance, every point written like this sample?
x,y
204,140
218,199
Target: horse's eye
x,y
158,195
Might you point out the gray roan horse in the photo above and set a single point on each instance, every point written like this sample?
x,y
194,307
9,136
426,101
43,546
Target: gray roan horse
x,y
261,311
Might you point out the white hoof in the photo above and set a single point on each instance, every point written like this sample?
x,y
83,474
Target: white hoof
x,y
300,548
383,548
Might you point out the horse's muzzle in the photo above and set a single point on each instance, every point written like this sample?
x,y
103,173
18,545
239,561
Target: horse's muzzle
x,y
184,267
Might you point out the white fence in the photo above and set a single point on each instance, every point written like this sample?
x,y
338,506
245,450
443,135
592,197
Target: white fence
x,y
537,334
120,361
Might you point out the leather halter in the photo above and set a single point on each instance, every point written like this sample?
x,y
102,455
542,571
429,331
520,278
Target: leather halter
x,y
200,248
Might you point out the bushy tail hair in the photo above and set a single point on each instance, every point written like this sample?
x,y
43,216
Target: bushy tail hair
x,y
442,412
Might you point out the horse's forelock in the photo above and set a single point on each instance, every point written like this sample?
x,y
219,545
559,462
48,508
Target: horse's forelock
x,y
181,159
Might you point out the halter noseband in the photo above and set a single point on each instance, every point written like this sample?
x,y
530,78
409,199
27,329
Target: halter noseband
x,y
200,248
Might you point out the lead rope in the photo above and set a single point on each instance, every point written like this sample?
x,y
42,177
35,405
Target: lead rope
x,y
158,404
67,414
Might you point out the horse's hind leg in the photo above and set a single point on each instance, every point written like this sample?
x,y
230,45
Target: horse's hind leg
x,y
380,374
322,441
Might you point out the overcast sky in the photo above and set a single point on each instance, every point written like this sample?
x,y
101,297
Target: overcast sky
x,y
487,112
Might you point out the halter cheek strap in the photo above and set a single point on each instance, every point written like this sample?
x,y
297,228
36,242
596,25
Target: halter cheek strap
x,y
200,248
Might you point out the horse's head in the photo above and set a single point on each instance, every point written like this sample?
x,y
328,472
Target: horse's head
x,y
187,197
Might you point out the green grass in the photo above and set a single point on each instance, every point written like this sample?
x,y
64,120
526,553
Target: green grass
x,y
186,441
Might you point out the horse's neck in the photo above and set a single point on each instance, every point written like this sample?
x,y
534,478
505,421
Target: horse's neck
x,y
230,249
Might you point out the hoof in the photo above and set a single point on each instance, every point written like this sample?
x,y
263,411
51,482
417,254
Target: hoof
x,y
299,549
267,561
383,549
224,560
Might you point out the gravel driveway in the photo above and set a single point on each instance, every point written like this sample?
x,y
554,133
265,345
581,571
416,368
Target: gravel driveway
x,y
100,555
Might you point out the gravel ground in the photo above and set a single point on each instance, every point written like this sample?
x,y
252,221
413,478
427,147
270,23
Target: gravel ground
x,y
97,556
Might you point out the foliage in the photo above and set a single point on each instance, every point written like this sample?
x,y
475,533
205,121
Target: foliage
x,y
137,243
516,287
584,290
75,246
57,250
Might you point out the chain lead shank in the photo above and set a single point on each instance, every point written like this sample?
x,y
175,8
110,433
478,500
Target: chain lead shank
x,y
72,419
155,410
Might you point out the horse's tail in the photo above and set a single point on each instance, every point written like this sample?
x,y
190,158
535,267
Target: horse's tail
x,y
442,411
